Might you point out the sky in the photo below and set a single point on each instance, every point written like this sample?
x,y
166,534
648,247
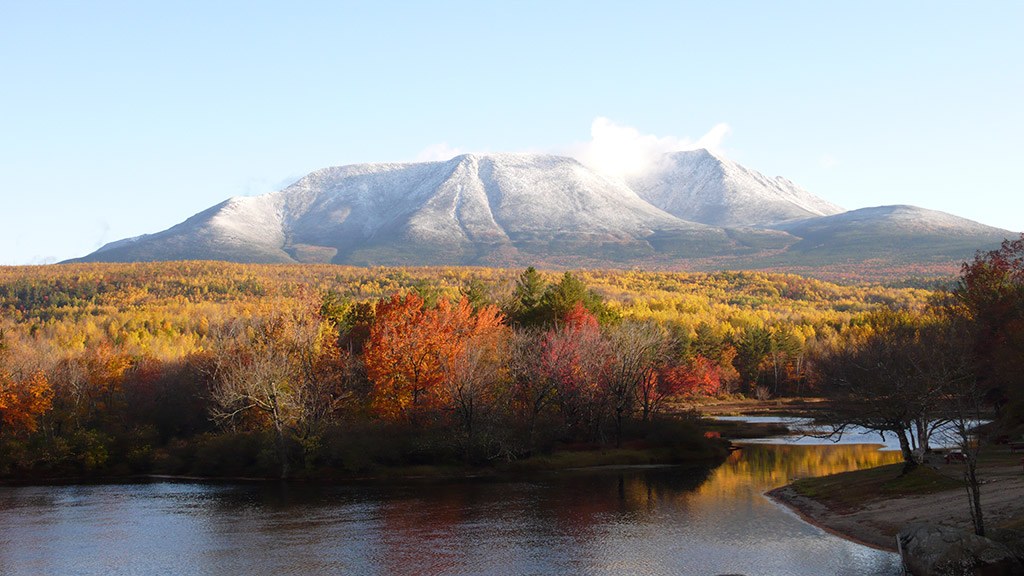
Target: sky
x,y
124,118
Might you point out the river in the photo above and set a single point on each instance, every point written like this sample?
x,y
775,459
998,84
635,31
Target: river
x,y
660,520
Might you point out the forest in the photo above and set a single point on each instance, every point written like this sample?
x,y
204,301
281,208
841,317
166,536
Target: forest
x,y
320,371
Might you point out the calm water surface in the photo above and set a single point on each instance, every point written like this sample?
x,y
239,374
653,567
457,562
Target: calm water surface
x,y
635,521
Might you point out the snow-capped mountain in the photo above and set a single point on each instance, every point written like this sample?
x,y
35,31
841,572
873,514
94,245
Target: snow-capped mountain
x,y
693,210
469,210
701,186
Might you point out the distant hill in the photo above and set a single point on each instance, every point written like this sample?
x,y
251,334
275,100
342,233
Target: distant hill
x,y
691,210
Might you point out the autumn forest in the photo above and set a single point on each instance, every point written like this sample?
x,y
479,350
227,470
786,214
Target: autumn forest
x,y
230,370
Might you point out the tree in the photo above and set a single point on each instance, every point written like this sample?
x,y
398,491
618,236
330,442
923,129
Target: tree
x,y
22,400
401,358
893,379
752,348
638,349
533,390
990,295
697,377
577,358
527,297
286,369
88,386
785,354
476,376
966,405
413,352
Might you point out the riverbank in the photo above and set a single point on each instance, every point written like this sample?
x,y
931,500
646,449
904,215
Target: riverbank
x,y
710,452
740,406
870,506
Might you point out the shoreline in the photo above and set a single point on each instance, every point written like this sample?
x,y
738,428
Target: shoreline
x,y
860,507
818,515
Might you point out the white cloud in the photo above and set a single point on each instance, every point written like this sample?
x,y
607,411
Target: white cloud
x,y
440,151
621,150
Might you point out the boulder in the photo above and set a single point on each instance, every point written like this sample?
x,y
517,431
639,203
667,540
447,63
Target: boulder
x,y
932,550
1012,539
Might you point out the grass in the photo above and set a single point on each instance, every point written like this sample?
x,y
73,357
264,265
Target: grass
x,y
851,490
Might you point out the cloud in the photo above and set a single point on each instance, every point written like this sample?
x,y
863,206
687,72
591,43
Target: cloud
x,y
621,150
438,152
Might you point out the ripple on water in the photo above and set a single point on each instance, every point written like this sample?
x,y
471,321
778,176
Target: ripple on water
x,y
651,521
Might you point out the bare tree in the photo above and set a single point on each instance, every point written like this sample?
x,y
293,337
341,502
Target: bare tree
x,y
476,382
283,368
532,390
638,348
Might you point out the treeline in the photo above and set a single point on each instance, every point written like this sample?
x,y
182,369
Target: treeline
x,y
214,368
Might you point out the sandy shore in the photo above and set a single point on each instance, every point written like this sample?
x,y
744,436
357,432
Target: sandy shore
x,y
876,522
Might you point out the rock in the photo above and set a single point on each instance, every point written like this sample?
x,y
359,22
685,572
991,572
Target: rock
x,y
932,550
1012,539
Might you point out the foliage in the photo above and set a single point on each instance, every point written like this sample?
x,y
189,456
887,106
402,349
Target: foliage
x,y
22,400
990,294
171,366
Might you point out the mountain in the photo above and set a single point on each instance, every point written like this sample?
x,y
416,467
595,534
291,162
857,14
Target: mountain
x,y
701,186
496,209
692,210
907,233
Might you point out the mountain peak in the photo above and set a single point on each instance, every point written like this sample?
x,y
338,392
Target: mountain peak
x,y
702,186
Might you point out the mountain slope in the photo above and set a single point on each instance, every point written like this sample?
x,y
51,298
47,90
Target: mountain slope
x,y
703,187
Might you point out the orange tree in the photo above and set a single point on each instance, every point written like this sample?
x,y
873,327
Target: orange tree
x,y
22,400
413,352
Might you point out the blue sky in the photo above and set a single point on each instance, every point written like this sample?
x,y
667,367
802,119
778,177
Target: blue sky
x,y
121,118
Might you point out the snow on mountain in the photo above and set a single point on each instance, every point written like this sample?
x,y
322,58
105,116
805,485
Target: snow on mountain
x,y
703,187
470,209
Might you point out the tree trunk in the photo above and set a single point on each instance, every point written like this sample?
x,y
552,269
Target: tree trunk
x,y
282,447
923,435
618,426
974,493
909,463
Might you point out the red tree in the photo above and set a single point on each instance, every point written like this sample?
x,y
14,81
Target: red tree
x,y
577,357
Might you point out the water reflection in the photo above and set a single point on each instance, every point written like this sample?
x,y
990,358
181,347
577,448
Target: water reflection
x,y
651,521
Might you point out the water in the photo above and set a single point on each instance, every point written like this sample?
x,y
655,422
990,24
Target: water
x,y
809,433
612,521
